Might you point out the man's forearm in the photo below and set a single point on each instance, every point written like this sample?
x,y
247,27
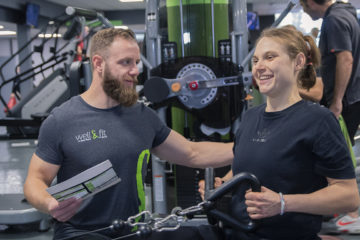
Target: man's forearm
x,y
36,195
212,154
178,150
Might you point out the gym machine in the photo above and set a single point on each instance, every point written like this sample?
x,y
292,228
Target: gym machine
x,y
24,119
200,72
67,77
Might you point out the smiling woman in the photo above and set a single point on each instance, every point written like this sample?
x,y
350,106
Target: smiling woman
x,y
283,61
296,147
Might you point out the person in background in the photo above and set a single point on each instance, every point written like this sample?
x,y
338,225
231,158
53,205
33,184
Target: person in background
x,y
15,94
340,71
315,33
80,46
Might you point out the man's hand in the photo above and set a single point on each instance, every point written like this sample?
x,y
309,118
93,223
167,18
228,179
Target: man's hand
x,y
217,183
336,108
64,210
262,204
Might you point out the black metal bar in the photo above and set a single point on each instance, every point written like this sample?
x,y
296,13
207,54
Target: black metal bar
x,y
17,122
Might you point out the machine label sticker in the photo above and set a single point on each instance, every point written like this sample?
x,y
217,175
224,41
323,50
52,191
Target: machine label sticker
x,y
91,135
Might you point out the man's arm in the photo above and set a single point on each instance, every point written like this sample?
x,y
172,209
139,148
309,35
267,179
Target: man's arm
x,y
344,64
340,196
178,150
40,176
315,93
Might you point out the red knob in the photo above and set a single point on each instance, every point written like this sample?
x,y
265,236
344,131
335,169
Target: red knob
x,y
193,85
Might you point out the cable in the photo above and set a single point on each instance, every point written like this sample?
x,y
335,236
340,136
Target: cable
x,y
87,232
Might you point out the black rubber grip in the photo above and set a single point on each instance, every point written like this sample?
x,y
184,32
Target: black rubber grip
x,y
216,215
234,182
156,89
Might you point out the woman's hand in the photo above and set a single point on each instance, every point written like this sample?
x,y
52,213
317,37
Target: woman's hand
x,y
217,183
262,204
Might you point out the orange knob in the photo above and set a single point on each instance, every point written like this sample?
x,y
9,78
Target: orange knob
x,y
175,87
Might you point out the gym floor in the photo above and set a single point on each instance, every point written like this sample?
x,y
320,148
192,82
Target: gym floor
x,y
15,157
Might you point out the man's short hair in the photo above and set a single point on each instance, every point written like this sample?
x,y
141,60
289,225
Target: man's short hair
x,y
104,38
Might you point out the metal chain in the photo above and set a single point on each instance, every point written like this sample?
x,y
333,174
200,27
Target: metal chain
x,y
131,221
169,223
193,209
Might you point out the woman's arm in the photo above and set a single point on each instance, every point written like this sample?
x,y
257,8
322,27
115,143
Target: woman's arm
x,y
340,196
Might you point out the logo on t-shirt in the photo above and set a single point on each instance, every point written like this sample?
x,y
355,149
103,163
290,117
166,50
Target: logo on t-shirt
x,y
261,135
91,135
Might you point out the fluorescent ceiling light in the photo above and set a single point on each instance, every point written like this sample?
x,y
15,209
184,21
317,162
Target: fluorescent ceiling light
x,y
48,35
7,33
1,26
131,0
122,27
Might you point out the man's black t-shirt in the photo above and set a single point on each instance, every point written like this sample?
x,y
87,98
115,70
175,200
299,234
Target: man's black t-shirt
x,y
340,31
77,136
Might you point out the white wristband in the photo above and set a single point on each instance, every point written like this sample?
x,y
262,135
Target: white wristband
x,y
282,204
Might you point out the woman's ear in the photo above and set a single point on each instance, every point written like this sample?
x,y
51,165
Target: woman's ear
x,y
300,61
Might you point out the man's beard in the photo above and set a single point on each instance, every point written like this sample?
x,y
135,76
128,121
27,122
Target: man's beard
x,y
115,89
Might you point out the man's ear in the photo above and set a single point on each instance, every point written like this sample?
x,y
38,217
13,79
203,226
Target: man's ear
x,y
300,61
98,63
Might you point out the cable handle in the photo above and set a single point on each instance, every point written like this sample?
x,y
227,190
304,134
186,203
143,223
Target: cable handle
x,y
233,183
215,215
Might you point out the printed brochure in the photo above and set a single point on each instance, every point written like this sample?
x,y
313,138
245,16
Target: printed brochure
x,y
86,183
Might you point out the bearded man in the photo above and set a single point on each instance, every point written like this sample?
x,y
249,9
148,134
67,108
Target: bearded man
x,y
107,122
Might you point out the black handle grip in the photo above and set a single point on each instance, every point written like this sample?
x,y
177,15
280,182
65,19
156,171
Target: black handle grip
x,y
233,183
228,187
230,221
